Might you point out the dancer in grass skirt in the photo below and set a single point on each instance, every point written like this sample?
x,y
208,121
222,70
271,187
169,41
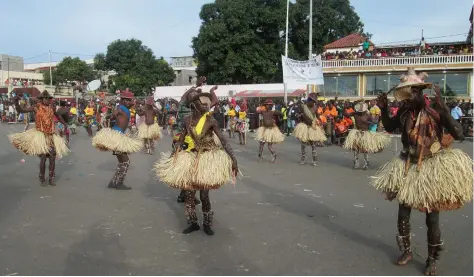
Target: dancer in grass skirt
x,y
41,141
199,164
269,133
309,130
360,139
149,130
428,175
114,139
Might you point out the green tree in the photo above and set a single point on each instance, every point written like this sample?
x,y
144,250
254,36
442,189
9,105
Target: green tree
x,y
332,20
70,70
46,77
135,65
240,41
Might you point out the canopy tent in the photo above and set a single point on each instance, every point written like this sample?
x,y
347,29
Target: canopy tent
x,y
269,93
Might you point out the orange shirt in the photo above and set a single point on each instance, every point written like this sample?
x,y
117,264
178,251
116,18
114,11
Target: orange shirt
x,y
323,119
44,119
341,127
320,110
350,110
330,112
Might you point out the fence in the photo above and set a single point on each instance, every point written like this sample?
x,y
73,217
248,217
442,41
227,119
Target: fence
x,y
402,61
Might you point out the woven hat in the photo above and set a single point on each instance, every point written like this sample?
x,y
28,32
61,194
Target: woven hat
x,y
409,80
268,102
361,107
44,94
127,94
204,97
313,96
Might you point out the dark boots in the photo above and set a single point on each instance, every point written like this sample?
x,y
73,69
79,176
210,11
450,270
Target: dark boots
x,y
404,241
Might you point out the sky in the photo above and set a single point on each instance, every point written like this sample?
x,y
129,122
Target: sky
x,y
85,27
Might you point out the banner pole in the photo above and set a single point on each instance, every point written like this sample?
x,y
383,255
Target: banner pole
x,y
286,49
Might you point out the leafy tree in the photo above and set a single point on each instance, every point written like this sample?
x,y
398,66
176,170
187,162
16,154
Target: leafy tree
x,y
240,41
72,70
46,77
332,20
136,66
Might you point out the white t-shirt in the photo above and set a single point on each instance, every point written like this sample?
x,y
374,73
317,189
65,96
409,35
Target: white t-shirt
x,y
11,110
1,107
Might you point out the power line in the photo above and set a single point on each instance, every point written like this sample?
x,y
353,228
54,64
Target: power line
x,y
71,54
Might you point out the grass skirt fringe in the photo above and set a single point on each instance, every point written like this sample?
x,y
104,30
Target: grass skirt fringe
x,y
444,182
110,140
366,142
307,133
270,135
34,143
149,131
190,171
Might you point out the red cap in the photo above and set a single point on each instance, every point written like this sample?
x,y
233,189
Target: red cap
x,y
127,94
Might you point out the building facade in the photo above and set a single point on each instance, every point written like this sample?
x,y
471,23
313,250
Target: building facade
x,y
11,63
369,77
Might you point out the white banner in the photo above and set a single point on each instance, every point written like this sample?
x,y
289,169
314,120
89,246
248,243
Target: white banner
x,y
302,72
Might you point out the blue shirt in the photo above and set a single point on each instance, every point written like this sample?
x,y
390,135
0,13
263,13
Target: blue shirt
x,y
456,112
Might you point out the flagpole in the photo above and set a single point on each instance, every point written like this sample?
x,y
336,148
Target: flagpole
x,y
286,48
310,47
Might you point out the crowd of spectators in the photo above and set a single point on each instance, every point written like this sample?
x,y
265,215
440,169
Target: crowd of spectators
x,y
397,52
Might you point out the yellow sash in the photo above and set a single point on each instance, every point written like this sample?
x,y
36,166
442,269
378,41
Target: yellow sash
x,y
199,127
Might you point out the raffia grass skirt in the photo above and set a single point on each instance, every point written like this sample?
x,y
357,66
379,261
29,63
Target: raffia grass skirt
x,y
366,142
189,171
444,182
35,143
108,139
307,133
269,135
152,131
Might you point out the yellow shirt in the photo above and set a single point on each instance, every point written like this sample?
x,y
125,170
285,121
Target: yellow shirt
x,y
283,111
242,115
231,113
89,111
375,111
73,110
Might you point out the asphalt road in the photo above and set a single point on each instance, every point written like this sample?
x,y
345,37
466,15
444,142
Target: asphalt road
x,y
279,219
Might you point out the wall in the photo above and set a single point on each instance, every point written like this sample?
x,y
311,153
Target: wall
x,y
222,91
4,74
182,77
11,63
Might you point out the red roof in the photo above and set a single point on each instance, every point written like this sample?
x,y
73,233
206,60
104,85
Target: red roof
x,y
352,40
33,92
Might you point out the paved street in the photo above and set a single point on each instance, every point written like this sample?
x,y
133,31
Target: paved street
x,y
279,219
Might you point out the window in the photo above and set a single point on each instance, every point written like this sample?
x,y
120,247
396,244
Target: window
x,y
450,83
457,83
376,84
341,85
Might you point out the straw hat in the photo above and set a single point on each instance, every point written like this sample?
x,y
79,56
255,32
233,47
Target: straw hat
x,y
361,107
45,94
313,96
409,80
